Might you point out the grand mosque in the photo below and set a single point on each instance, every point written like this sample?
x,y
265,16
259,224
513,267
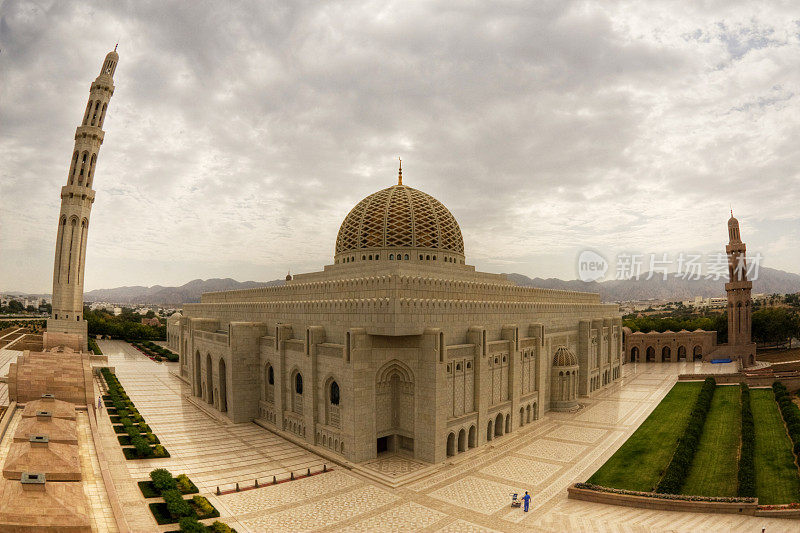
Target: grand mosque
x,y
399,345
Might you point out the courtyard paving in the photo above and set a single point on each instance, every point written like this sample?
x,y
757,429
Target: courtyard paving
x,y
471,492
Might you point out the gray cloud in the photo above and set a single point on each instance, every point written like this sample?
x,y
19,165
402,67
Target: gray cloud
x,y
240,134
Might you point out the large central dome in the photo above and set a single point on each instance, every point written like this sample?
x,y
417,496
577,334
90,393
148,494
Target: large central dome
x,y
400,223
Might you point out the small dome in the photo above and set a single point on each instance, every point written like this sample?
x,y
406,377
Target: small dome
x,y
400,218
564,357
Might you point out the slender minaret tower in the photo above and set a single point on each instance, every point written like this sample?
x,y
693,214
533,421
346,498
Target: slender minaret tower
x,y
77,197
738,288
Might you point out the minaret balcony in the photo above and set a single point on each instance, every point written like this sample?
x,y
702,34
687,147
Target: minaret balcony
x,y
737,285
90,131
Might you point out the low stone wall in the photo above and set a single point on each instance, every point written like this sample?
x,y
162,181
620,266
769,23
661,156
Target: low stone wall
x,y
779,513
646,501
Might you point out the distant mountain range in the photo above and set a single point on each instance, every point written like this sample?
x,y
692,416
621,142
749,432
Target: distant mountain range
x,y
158,294
769,281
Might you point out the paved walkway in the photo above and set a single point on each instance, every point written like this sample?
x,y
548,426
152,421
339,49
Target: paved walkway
x,y
470,493
6,358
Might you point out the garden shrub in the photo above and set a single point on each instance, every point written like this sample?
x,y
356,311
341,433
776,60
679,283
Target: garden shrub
x,y
162,479
747,465
185,485
142,447
151,438
220,527
202,504
132,431
681,462
159,451
189,524
176,505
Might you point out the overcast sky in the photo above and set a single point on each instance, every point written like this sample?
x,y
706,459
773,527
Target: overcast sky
x,y
241,134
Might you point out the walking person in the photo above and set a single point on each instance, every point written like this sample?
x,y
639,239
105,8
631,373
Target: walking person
x,y
526,500
100,403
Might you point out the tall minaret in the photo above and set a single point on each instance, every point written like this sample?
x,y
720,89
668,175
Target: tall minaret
x,y
77,197
738,288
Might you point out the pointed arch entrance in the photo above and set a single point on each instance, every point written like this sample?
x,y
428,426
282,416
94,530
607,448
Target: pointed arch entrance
x,y
394,407
198,382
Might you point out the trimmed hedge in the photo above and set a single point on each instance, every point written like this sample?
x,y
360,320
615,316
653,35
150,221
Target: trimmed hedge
x,y
139,434
678,468
154,351
791,415
182,483
747,464
94,347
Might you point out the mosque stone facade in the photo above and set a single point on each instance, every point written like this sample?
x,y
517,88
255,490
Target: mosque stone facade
x,y
399,345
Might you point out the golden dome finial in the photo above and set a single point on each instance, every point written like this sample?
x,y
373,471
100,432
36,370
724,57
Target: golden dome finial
x,y
400,172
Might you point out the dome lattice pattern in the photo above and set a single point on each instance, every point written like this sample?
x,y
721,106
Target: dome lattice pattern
x,y
564,357
400,217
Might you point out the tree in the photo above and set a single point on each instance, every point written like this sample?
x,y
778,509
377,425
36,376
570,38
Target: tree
x,y
15,307
775,325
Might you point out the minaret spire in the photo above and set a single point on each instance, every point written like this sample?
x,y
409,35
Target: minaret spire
x,y
400,172
77,197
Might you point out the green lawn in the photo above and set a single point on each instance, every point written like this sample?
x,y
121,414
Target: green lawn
x,y
640,462
777,480
715,467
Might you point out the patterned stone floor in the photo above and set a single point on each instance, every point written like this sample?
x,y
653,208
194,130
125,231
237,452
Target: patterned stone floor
x,y
470,494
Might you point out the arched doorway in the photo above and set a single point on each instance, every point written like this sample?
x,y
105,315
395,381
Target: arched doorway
x,y
498,425
651,354
209,380
521,416
697,353
223,386
395,407
528,414
462,440
666,354
489,431
451,444
508,423
681,353
634,354
198,383
472,437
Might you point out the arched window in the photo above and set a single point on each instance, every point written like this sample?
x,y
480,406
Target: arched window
x,y
334,393
94,113
84,157
297,396
332,417
391,257
405,257
102,115
269,388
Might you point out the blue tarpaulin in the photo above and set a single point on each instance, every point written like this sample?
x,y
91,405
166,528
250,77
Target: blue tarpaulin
x,y
713,361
